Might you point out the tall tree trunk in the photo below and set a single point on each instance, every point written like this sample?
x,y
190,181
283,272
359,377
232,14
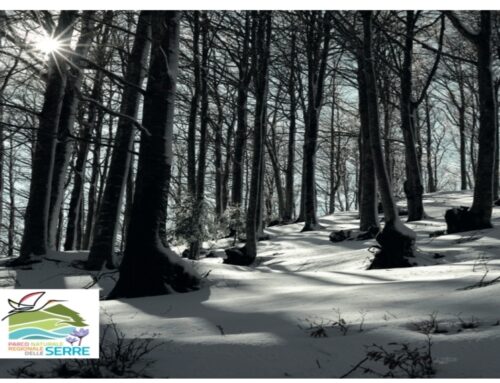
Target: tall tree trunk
x,y
260,45
273,155
479,216
75,212
80,223
219,171
193,112
333,176
396,239
107,160
472,144
2,144
483,191
12,201
94,179
75,227
461,122
368,211
64,146
302,208
318,39
59,236
244,77
431,183
261,194
413,185
261,34
198,216
290,167
497,146
36,220
227,164
148,268
129,200
388,154
106,224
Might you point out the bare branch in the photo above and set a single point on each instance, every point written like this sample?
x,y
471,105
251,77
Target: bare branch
x,y
461,27
117,114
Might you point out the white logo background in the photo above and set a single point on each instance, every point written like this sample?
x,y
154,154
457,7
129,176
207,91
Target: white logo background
x,y
84,302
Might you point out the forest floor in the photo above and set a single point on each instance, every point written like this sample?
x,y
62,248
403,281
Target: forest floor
x,y
309,308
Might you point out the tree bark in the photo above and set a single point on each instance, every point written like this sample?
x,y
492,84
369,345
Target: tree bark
x,y
302,209
219,171
261,34
244,78
227,164
64,146
261,41
75,212
388,154
497,146
148,268
273,155
333,174
106,224
12,202
479,216
472,143
290,167
461,123
318,40
368,207
396,239
2,144
94,179
198,216
413,185
193,113
431,183
35,236
483,191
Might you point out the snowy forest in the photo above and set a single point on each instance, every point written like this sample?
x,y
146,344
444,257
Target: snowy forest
x,y
258,193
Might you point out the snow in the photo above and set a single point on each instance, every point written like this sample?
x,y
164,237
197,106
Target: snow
x,y
252,322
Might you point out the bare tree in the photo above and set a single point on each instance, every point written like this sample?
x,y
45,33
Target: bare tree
x,y
149,268
69,109
318,35
35,235
479,215
396,240
107,217
261,39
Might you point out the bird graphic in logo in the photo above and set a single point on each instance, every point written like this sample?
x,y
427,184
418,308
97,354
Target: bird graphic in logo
x,y
28,303
35,317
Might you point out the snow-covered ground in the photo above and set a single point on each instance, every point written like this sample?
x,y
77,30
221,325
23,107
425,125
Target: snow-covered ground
x,y
252,322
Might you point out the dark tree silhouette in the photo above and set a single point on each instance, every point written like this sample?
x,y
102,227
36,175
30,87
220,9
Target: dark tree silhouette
x,y
148,267
35,236
106,224
479,215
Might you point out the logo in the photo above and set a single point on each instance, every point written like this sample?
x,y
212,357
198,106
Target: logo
x,y
49,324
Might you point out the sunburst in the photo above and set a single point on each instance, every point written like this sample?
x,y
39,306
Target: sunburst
x,y
48,44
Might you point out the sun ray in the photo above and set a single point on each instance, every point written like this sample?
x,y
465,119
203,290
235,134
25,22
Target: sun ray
x,y
48,44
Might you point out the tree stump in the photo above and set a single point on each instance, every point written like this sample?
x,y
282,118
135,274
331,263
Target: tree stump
x,y
238,256
158,274
462,219
394,250
339,235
